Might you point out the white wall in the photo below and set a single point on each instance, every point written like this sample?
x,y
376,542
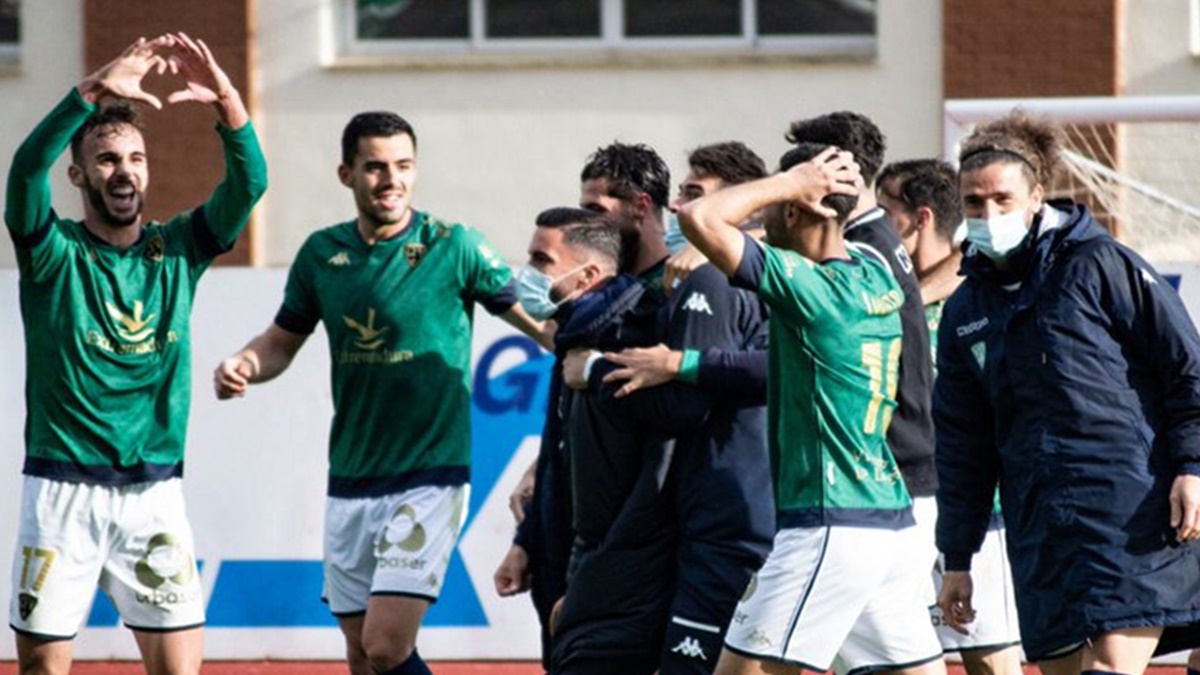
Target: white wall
x,y
499,145
51,63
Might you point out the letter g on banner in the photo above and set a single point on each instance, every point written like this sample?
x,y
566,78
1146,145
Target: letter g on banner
x,y
515,391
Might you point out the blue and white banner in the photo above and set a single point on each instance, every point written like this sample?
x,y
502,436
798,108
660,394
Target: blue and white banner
x,y
255,482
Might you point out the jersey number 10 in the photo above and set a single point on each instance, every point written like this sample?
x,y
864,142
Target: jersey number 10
x,y
883,367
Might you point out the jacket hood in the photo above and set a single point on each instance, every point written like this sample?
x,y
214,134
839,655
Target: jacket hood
x,y
582,322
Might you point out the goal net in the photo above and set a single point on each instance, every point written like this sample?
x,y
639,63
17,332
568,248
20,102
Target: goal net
x,y
1135,161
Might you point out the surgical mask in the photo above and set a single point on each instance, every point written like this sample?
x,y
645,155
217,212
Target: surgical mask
x,y
533,292
674,238
998,236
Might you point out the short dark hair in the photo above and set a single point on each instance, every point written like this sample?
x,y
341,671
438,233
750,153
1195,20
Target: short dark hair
x,y
850,131
730,161
115,114
373,125
843,204
630,169
586,229
931,183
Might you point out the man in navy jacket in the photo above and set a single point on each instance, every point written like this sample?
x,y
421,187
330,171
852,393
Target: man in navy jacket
x,y
1069,372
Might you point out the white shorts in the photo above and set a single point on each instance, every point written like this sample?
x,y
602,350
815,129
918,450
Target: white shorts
x,y
995,605
132,540
925,513
846,597
398,544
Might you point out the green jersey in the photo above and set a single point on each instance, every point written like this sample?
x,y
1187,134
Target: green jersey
x,y
833,357
398,317
107,351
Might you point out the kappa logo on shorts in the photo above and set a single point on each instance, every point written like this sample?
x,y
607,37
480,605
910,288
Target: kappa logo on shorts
x,y
690,647
402,532
758,638
26,604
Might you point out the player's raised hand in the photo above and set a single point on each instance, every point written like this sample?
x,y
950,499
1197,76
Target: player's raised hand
x,y
204,81
833,172
680,265
122,77
955,600
232,377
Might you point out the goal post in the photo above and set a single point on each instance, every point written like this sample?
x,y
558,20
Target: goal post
x,y
1134,160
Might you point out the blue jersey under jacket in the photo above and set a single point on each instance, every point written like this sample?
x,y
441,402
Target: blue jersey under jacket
x,y
1072,377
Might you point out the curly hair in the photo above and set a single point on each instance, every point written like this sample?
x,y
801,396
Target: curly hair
x,y
849,131
629,169
1035,143
106,118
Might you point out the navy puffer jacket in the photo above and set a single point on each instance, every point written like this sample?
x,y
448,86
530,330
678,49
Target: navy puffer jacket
x,y
1072,378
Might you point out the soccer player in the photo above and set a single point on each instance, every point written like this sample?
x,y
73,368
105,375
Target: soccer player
x,y
834,340
720,472
921,199
395,289
1069,373
105,303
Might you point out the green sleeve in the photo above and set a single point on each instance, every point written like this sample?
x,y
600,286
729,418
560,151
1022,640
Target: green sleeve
x,y
228,210
27,196
794,286
301,310
689,367
480,269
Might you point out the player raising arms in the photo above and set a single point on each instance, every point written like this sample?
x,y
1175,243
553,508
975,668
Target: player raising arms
x,y
105,304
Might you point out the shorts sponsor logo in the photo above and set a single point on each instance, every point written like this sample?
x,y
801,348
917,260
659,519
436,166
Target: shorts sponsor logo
x,y
690,647
26,603
165,569
402,532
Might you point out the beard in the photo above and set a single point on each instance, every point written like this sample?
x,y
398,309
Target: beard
x,y
631,244
96,197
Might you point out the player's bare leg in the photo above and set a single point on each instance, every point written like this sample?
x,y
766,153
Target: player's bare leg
x,y
356,658
934,667
39,657
1070,664
736,664
999,661
389,633
172,652
1122,651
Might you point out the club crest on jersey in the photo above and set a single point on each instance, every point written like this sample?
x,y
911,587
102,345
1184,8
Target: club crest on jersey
x,y
979,349
414,254
368,335
155,249
26,603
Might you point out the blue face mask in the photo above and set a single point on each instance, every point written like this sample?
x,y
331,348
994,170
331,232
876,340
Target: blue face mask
x,y
997,237
533,292
674,238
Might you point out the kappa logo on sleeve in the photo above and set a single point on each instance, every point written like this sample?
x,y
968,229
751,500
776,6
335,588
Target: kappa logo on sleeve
x,y
698,302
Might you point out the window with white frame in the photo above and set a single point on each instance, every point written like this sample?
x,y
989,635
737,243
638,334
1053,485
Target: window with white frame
x,y
817,27
10,30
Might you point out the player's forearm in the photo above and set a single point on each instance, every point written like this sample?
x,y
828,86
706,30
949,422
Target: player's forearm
x,y
27,197
231,110
517,317
712,223
270,353
229,208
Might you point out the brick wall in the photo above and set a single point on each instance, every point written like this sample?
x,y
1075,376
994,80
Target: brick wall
x,y
1001,48
186,162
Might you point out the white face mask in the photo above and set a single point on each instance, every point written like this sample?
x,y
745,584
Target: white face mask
x,y
997,237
